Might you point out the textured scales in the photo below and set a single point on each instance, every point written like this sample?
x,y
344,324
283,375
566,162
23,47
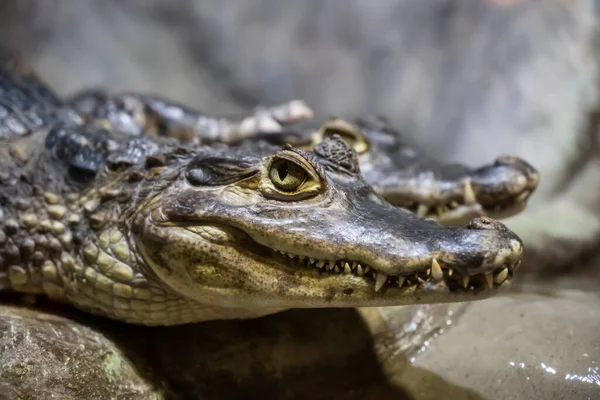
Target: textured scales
x,y
447,193
147,227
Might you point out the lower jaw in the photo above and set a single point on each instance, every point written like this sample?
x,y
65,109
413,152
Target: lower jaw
x,y
333,275
346,296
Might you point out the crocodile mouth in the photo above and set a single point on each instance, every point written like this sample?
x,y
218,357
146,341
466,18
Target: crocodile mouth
x,y
451,210
437,274
467,206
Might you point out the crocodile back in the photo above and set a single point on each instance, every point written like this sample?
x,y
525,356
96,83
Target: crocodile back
x,y
26,103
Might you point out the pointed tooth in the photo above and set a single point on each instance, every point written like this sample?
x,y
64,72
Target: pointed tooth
x,y
436,270
401,280
321,264
347,268
465,281
469,193
489,278
337,269
450,271
501,276
367,269
422,210
380,280
428,272
331,265
516,266
311,260
354,264
359,270
290,255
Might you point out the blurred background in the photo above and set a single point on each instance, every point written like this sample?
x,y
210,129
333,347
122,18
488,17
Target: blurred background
x,y
463,80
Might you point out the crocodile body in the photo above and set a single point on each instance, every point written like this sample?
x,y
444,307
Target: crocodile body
x,y
447,193
158,230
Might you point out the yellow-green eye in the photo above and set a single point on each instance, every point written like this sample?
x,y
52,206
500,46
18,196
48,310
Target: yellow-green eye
x,y
286,175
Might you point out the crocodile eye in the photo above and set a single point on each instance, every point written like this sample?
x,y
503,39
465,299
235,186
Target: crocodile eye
x,y
290,177
286,175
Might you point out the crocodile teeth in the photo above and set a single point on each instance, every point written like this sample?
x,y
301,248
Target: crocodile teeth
x,y
367,269
380,281
347,268
337,269
465,281
401,280
501,276
450,271
321,264
436,270
359,270
422,210
469,193
311,260
489,279
517,265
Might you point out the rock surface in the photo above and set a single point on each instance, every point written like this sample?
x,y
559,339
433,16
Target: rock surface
x,y
508,347
45,356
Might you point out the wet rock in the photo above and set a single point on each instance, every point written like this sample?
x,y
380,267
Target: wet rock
x,y
522,346
45,356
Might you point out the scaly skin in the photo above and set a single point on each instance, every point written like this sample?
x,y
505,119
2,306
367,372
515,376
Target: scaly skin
x,y
152,230
140,114
448,193
451,194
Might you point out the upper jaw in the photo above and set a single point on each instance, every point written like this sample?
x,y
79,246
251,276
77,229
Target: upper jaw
x,y
436,275
457,203
465,258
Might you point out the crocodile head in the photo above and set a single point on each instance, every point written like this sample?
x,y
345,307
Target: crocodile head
x,y
448,193
286,228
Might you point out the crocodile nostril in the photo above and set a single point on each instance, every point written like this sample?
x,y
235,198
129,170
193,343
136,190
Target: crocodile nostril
x,y
485,223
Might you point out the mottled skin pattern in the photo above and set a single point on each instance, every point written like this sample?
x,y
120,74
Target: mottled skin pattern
x,y
447,193
450,194
153,230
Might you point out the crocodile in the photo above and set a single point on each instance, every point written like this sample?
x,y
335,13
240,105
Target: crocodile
x,y
448,193
154,229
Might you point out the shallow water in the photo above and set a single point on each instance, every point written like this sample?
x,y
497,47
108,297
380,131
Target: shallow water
x,y
543,342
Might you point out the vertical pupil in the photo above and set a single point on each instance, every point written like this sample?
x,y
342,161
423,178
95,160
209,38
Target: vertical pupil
x,y
282,170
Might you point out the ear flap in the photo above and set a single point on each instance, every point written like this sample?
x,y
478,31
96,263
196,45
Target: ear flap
x,y
221,169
